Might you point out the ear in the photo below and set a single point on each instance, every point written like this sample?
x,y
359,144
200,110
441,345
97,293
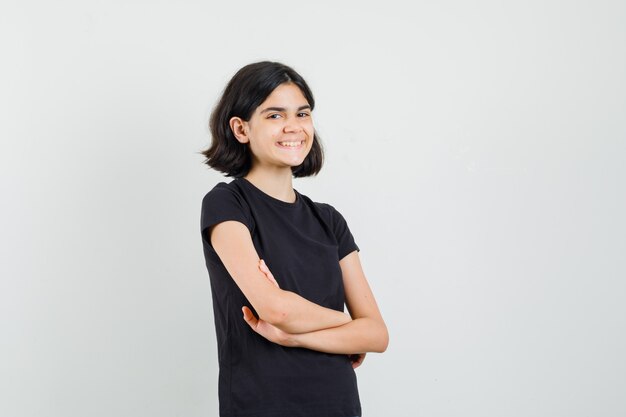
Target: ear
x,y
240,129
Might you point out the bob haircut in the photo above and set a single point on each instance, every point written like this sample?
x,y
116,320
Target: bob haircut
x,y
248,88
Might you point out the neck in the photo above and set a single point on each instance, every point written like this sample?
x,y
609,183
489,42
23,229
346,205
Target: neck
x,y
276,183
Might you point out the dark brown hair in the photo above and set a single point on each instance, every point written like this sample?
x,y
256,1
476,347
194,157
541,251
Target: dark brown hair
x,y
248,88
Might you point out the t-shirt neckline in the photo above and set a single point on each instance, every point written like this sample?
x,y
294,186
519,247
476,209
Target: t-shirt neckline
x,y
271,199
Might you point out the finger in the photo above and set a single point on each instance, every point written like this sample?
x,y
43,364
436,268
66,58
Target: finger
x,y
249,317
263,267
272,280
358,360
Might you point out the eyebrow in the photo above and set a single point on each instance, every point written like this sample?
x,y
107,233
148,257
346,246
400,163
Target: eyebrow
x,y
284,109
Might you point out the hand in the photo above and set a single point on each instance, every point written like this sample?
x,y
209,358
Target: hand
x,y
268,331
265,329
357,359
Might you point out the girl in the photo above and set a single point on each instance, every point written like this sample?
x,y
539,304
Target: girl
x,y
285,346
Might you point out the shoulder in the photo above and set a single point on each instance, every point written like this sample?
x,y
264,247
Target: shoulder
x,y
339,227
330,213
325,210
224,193
225,201
222,189
225,197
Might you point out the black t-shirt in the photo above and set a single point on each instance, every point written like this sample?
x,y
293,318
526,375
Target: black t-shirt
x,y
301,243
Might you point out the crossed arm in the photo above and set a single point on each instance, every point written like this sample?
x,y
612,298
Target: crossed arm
x,y
289,319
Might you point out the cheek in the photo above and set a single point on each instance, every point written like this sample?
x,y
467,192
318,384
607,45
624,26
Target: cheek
x,y
267,136
310,144
310,129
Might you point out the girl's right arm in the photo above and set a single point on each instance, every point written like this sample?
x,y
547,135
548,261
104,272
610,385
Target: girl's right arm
x,y
284,309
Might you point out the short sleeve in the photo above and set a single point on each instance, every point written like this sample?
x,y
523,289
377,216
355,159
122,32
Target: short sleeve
x,y
344,237
221,204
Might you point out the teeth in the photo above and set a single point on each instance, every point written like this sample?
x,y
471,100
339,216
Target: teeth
x,y
291,143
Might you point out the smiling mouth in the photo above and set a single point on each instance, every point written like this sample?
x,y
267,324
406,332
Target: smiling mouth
x,y
291,144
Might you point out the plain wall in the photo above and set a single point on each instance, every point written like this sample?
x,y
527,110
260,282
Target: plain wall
x,y
476,149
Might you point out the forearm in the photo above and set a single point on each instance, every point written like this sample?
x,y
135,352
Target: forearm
x,y
358,336
295,315
297,322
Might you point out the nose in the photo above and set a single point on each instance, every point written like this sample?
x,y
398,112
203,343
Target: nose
x,y
292,125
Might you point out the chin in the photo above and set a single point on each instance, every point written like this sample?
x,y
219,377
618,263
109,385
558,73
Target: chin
x,y
294,162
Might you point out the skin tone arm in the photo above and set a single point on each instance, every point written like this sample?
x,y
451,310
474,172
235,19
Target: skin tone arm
x,y
283,310
367,331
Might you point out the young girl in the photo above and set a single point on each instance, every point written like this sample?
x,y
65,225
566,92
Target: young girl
x,y
281,266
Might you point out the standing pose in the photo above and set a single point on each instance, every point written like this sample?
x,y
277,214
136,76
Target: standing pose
x,y
281,266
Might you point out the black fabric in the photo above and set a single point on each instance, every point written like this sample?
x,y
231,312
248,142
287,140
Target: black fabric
x,y
301,243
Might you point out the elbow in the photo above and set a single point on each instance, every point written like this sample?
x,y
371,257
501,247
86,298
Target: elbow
x,y
277,317
275,313
382,341
274,316
272,308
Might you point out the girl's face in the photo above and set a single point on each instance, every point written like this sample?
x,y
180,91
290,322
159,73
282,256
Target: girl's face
x,y
280,131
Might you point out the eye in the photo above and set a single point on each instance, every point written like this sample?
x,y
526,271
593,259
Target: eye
x,y
271,116
303,114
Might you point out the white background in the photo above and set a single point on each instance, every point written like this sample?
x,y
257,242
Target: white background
x,y
477,150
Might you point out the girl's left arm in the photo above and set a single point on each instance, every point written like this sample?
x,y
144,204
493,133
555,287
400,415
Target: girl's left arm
x,y
367,331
